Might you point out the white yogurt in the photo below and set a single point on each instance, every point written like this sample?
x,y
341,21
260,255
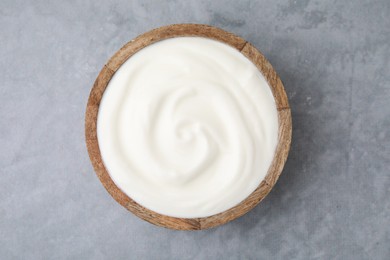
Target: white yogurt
x,y
187,127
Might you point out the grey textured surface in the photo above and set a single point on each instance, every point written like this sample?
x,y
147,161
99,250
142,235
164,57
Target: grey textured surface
x,y
332,200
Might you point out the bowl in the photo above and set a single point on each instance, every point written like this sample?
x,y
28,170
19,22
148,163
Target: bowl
x,y
193,30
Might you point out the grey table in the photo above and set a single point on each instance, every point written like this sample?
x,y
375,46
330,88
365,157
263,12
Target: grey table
x,y
332,200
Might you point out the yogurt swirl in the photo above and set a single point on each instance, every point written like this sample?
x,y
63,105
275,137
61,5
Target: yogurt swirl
x,y
187,127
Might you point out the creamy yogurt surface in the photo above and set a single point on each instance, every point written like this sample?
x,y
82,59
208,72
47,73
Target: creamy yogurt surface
x,y
187,127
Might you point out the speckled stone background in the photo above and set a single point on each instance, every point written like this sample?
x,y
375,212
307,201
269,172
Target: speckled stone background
x,y
332,200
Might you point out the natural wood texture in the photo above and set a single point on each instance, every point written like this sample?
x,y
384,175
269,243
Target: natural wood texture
x,y
249,203
171,31
282,148
95,96
269,73
284,117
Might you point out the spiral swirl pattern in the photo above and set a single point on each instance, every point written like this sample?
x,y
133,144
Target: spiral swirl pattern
x,y
187,127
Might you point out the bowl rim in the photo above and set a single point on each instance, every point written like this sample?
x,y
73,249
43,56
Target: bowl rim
x,y
193,30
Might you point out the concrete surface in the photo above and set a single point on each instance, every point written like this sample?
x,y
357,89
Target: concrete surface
x,y
332,200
